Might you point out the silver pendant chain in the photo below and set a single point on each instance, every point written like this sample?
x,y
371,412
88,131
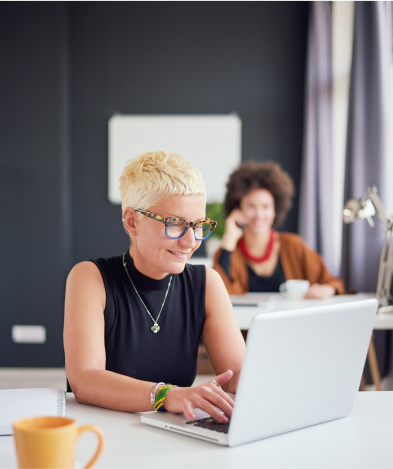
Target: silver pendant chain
x,y
155,327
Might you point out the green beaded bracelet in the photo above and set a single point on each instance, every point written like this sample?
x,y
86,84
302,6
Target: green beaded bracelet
x,y
160,397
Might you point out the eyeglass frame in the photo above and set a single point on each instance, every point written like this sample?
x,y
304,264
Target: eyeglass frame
x,y
189,224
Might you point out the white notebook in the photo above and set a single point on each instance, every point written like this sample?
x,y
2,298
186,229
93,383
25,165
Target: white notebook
x,y
259,300
20,403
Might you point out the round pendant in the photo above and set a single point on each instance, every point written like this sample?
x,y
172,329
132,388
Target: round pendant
x,y
155,328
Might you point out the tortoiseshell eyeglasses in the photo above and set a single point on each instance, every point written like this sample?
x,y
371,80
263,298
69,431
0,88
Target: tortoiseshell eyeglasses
x,y
175,228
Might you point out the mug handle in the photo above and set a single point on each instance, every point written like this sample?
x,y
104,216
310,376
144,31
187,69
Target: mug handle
x,y
283,288
98,432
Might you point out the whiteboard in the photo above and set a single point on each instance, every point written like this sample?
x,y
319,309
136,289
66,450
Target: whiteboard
x,y
211,142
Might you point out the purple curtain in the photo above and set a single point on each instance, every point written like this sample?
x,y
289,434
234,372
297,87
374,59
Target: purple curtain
x,y
366,154
315,206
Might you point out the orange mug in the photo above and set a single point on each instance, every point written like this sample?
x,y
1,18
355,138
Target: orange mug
x,y
49,442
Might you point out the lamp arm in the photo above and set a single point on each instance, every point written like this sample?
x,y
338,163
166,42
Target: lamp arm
x,y
385,270
389,264
374,197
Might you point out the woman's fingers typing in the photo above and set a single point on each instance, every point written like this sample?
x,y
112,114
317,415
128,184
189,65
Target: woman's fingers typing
x,y
207,397
188,409
211,401
219,398
209,408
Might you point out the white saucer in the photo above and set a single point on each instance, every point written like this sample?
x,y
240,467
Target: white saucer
x,y
289,296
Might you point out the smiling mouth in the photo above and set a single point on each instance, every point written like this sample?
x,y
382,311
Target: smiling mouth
x,y
179,254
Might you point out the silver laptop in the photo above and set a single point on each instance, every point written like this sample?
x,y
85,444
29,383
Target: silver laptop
x,y
302,367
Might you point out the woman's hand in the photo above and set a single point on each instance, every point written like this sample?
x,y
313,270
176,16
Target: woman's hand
x,y
231,385
233,231
320,291
207,397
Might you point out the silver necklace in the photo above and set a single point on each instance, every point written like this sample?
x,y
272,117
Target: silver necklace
x,y
155,327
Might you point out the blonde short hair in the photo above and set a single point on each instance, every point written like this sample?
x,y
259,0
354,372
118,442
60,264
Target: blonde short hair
x,y
153,176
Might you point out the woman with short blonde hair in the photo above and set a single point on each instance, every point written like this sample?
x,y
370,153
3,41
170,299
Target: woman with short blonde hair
x,y
133,322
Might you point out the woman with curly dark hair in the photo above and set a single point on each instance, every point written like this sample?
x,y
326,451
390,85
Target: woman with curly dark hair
x,y
254,257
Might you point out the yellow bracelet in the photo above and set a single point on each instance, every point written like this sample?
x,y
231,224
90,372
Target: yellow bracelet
x,y
161,395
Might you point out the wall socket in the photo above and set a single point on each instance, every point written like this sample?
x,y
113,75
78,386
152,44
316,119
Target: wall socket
x,y
29,334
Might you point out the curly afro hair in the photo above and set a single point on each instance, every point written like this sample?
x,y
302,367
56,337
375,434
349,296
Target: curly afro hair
x,y
267,175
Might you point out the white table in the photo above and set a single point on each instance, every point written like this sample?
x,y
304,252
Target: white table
x,y
272,302
364,439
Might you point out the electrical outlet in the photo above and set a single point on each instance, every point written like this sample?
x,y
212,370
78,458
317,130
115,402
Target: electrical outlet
x,y
29,334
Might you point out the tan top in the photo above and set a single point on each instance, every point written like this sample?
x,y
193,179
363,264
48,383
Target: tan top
x,y
297,259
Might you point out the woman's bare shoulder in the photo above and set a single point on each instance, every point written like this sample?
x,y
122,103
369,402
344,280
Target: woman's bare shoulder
x,y
85,277
216,293
83,270
213,278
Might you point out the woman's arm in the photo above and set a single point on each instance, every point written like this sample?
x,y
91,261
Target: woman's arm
x,y
85,358
221,334
85,348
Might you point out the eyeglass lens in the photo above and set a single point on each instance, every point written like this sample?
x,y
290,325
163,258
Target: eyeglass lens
x,y
176,229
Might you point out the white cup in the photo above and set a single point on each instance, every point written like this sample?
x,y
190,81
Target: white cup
x,y
294,288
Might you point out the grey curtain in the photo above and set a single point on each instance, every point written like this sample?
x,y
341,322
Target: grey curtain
x,y
368,113
316,177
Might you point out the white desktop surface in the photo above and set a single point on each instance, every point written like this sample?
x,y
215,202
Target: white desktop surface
x,y
273,302
364,439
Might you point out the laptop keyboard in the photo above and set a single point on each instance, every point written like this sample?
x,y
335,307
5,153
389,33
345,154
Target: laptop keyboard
x,y
210,424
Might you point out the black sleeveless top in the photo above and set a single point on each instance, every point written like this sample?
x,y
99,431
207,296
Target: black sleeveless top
x,y
132,349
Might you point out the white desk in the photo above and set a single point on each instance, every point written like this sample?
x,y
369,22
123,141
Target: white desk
x,y
363,439
273,302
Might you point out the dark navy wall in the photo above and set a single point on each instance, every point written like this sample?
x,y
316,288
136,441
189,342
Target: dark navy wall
x,y
182,58
65,68
32,269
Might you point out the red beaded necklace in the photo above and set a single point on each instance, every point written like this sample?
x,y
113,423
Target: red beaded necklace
x,y
265,256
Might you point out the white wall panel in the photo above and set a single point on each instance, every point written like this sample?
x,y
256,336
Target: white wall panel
x,y
211,142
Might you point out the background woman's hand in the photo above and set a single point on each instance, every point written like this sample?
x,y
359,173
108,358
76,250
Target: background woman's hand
x,y
320,291
233,231
206,397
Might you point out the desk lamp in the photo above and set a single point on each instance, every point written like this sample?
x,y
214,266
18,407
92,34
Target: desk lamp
x,y
369,205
